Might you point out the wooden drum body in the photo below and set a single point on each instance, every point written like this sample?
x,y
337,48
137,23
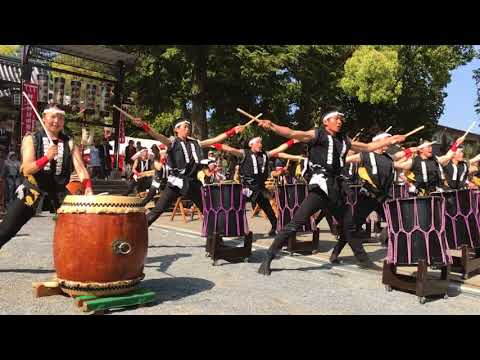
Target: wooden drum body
x,y
100,244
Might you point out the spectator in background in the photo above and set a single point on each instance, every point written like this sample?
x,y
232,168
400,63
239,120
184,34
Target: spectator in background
x,y
139,145
105,159
130,150
5,136
95,164
12,175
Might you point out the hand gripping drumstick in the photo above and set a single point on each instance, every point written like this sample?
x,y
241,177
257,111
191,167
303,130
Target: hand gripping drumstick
x,y
38,116
414,131
254,118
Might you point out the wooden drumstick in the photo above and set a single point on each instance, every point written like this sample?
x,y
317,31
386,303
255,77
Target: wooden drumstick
x,y
123,112
38,116
358,134
414,131
254,119
469,129
248,115
426,144
388,129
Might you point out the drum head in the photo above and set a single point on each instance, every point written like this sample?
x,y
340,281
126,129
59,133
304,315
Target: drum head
x,y
101,204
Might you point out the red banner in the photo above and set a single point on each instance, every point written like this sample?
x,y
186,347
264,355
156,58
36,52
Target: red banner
x,y
28,115
121,133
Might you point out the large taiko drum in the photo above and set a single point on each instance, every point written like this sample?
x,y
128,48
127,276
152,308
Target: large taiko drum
x,y
100,244
416,231
224,210
288,198
461,218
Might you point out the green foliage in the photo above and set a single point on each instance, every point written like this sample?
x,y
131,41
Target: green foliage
x,y
9,50
373,75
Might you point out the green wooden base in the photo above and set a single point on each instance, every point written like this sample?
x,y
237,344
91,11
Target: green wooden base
x,y
99,304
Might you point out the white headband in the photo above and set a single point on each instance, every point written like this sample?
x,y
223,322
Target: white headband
x,y
381,136
181,123
254,140
54,111
332,114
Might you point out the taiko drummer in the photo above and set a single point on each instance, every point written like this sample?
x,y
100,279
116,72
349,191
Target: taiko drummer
x,y
46,169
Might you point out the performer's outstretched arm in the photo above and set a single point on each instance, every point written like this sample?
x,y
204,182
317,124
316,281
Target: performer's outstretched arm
x,y
358,146
282,148
355,158
403,165
286,156
407,153
301,136
222,137
444,159
231,150
157,136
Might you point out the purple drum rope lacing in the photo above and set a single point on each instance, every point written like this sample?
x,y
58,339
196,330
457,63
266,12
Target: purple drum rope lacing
x,y
208,208
453,219
291,210
392,252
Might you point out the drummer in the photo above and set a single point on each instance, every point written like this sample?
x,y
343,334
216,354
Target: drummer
x,y
183,162
427,169
254,172
377,173
141,163
161,173
46,169
327,189
457,171
210,174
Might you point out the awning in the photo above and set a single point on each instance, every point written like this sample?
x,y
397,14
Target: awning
x,y
10,70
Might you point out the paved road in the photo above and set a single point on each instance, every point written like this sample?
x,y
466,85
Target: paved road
x,y
186,283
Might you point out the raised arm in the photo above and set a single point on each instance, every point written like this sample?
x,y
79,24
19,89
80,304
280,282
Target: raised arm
x,y
301,136
358,146
282,147
157,136
403,165
444,159
474,160
81,170
222,137
286,156
228,149
355,158
404,153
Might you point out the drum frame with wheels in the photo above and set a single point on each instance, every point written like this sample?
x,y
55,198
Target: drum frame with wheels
x,y
216,249
420,284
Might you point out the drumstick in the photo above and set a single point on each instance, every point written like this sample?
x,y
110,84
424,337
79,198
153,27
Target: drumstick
x,y
123,112
358,134
249,115
469,129
38,116
388,129
426,144
414,131
254,119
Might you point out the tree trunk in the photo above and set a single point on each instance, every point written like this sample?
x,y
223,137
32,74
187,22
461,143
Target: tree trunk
x,y
199,79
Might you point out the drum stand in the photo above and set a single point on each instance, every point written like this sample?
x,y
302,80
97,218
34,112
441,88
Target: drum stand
x,y
216,249
465,259
304,246
420,284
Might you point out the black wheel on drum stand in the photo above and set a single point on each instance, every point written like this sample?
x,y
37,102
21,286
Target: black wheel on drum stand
x,y
388,288
422,299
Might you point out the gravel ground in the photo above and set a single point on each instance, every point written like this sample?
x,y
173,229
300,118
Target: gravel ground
x,y
186,283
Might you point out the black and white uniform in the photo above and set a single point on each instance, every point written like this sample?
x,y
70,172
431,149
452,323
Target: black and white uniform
x,y
183,164
381,171
456,175
145,182
327,191
254,172
350,172
429,175
158,184
49,182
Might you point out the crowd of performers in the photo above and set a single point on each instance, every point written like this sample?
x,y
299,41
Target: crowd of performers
x,y
332,165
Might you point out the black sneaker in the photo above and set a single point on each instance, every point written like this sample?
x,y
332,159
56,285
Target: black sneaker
x,y
334,259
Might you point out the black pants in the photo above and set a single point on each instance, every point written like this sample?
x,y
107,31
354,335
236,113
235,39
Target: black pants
x,y
171,194
315,201
365,206
325,214
18,215
265,205
141,184
151,194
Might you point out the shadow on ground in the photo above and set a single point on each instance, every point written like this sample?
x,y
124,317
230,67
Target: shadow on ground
x,y
165,261
172,289
27,271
